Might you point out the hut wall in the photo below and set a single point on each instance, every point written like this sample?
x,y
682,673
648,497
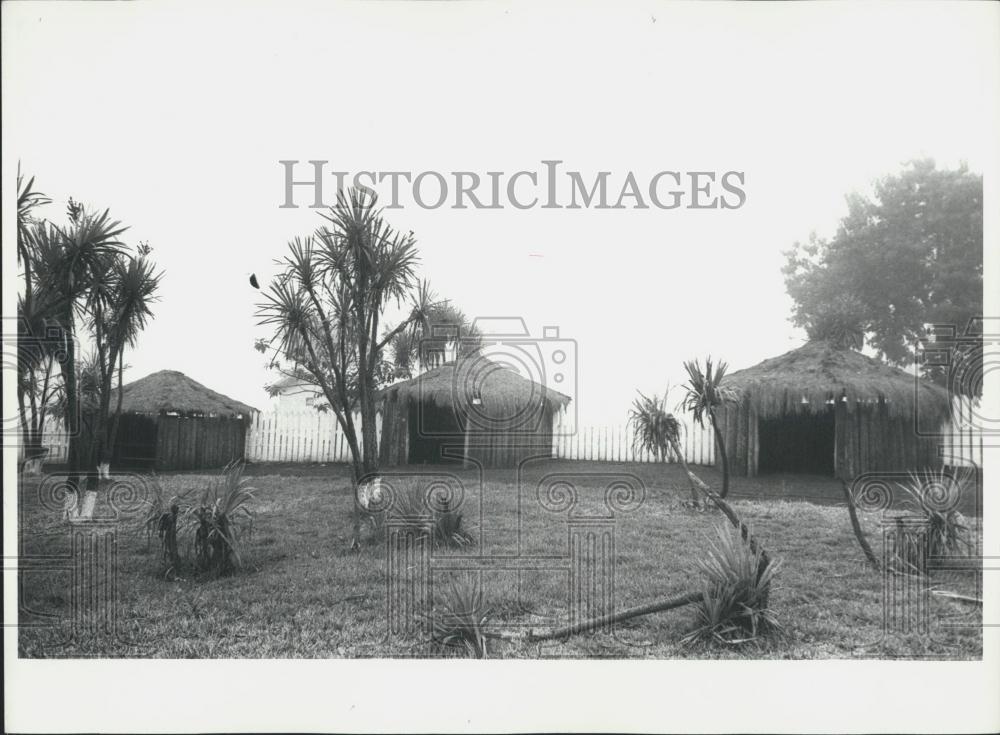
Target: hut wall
x,y
507,449
394,442
866,440
740,431
198,442
869,440
490,447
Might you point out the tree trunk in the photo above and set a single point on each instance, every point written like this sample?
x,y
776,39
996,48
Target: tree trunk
x,y
113,434
859,534
720,443
68,367
696,482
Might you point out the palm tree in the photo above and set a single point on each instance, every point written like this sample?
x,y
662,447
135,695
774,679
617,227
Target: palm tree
x,y
127,290
35,355
704,394
326,308
657,431
70,264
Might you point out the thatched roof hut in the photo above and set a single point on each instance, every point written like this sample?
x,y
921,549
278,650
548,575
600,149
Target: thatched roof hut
x,y
171,422
473,409
171,391
831,410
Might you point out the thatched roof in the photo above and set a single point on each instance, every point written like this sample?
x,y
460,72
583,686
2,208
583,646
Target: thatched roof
x,y
500,390
807,378
173,391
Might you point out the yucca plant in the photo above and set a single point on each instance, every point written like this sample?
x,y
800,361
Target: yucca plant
x,y
458,624
434,516
222,520
932,496
655,427
734,607
162,513
704,395
657,431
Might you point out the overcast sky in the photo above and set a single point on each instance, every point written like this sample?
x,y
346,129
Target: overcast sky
x,y
175,116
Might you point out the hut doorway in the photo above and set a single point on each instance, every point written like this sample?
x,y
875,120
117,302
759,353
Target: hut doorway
x,y
801,442
431,429
135,447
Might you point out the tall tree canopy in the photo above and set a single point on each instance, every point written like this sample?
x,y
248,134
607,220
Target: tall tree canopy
x,y
907,257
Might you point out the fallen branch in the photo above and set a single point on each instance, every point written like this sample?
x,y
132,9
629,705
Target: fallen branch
x,y
859,534
671,603
610,619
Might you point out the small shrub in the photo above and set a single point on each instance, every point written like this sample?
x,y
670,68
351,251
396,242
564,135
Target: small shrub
x,y
734,604
433,515
458,624
221,521
932,496
162,514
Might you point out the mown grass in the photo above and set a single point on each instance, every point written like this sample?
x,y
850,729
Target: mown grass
x,y
304,593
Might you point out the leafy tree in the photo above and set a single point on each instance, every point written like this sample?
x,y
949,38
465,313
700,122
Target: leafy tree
x,y
123,295
69,264
35,355
326,309
704,394
427,343
909,256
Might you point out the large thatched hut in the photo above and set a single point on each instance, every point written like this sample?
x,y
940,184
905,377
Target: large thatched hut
x,y
474,411
821,409
171,422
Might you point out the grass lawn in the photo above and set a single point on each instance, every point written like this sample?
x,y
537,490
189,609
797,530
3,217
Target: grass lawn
x,y
304,593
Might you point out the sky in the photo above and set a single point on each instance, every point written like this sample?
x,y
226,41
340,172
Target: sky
x,y
175,117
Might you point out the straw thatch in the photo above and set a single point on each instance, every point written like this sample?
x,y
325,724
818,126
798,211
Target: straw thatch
x,y
171,391
817,374
500,390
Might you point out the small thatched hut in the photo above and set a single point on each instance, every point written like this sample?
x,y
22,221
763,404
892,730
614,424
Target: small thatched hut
x,y
473,411
826,410
171,422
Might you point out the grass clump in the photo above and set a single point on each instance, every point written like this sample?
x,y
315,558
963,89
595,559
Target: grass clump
x,y
734,606
459,620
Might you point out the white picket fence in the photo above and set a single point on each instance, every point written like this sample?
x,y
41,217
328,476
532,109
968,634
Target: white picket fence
x,y
615,443
311,436
300,436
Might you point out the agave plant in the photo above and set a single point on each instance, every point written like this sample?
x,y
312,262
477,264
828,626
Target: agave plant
x,y
704,395
444,525
458,625
734,607
932,496
221,521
